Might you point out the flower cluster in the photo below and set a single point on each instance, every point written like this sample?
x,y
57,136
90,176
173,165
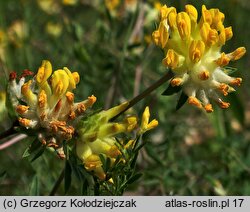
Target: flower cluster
x,y
193,52
46,103
97,136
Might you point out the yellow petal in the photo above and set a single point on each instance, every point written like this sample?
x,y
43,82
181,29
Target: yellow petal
x,y
192,12
228,33
184,25
206,15
30,97
131,123
196,50
204,75
145,125
21,109
165,11
145,118
225,35
42,99
224,88
236,81
72,83
44,72
208,108
194,101
70,97
176,81
171,60
163,32
172,20
24,122
91,100
76,77
222,37
130,144
60,82
223,60
222,104
156,37
113,152
154,123
237,54
209,36
92,162
217,19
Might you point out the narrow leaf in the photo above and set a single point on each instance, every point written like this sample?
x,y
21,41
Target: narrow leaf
x,y
74,168
38,154
2,174
85,186
67,177
36,144
103,160
133,162
134,178
34,187
182,100
108,164
171,90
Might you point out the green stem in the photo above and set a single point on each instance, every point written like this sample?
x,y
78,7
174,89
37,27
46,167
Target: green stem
x,y
145,93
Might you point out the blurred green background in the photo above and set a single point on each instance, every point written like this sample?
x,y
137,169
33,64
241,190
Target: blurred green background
x,y
189,153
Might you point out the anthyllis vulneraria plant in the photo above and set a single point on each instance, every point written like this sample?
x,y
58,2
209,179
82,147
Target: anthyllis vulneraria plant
x,y
192,50
100,146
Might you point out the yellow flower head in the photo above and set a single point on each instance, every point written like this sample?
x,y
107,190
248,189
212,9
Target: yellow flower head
x,y
97,137
48,103
193,51
98,126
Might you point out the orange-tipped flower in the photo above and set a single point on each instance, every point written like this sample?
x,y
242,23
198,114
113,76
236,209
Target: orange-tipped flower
x,y
193,51
48,103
